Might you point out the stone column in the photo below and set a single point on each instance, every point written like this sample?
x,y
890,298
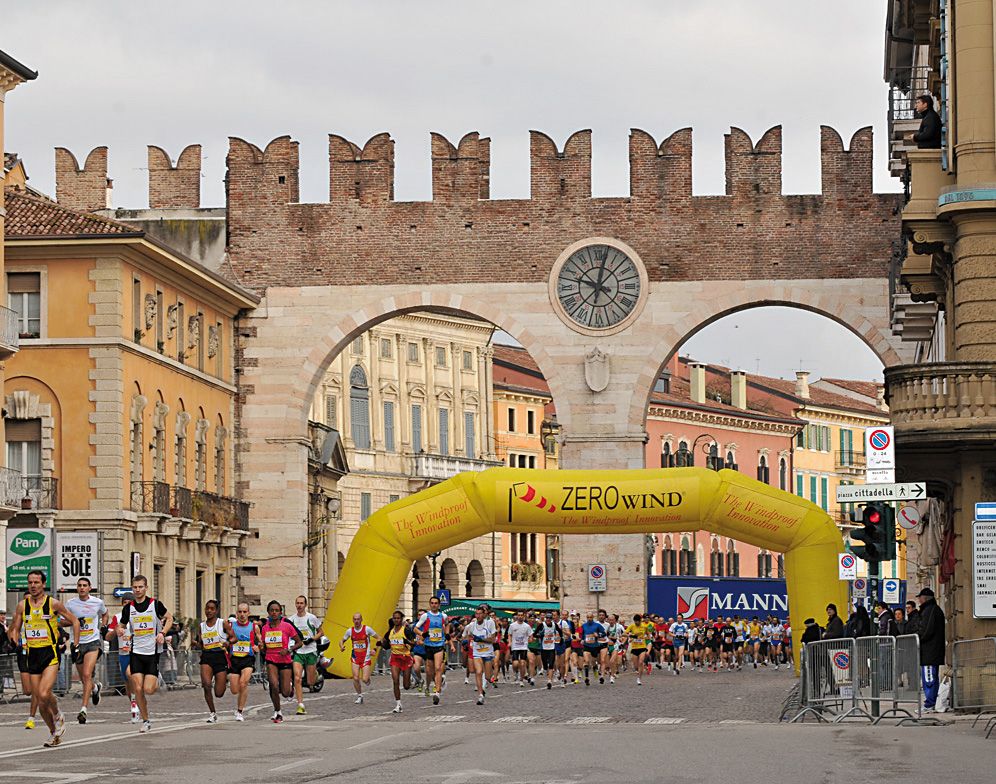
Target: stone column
x,y
486,393
974,277
376,430
346,431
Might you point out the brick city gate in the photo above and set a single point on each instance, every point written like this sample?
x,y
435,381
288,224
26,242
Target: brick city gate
x,y
331,271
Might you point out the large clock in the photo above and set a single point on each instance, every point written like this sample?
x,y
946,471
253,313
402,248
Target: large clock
x,y
598,285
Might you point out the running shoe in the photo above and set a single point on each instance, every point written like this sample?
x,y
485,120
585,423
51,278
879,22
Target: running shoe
x,y
397,708
95,693
278,718
549,684
52,742
466,679
612,679
30,723
587,682
60,725
521,684
639,682
601,679
480,698
435,699
146,726
532,681
239,716
81,716
212,719
358,700
300,709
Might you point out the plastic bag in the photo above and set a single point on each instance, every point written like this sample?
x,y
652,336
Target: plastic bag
x,y
943,704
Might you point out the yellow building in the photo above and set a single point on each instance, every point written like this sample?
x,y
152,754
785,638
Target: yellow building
x,y
120,404
526,432
12,73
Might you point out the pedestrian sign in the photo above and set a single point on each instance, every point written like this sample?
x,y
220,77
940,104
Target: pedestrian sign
x,y
848,566
443,594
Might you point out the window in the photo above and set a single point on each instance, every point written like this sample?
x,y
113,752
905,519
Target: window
x,y
386,351
763,474
180,466
136,309
393,497
468,360
663,385
416,428
389,425
178,591
356,346
511,420
732,559
513,548
199,599
669,559
330,411
359,408
24,298
219,462
219,350
782,474
731,462
365,506
716,561
157,580
469,434
812,489
219,590
24,449
823,492
413,352
826,438
440,356
160,319
180,345
764,564
800,439
200,465
686,558
444,431
781,566
523,547
531,422
159,457
201,340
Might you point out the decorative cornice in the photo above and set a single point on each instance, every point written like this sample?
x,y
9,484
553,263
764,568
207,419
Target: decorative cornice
x,y
682,414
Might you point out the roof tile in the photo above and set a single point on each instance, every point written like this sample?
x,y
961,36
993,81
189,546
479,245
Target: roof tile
x,y
31,216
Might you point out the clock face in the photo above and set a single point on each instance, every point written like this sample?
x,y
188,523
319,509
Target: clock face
x,y
598,286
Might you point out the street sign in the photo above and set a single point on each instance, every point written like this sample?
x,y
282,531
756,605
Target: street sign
x,y
121,592
880,476
903,491
890,591
443,594
596,578
984,568
908,517
860,586
76,556
848,566
985,510
880,447
27,549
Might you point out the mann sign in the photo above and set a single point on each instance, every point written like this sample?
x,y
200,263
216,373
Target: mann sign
x,y
709,597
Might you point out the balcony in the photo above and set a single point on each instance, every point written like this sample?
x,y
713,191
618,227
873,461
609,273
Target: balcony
x,y
182,503
220,511
11,488
41,491
150,497
943,401
209,508
905,84
436,468
9,340
849,461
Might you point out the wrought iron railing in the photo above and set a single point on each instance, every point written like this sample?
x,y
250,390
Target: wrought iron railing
x,y
11,487
182,503
43,491
150,497
849,458
9,340
220,510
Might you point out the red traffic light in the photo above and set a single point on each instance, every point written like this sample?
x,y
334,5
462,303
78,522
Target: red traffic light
x,y
874,517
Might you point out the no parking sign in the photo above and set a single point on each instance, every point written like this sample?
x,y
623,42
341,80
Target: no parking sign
x,y
848,566
596,578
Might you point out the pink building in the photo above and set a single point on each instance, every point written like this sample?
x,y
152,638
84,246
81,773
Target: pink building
x,y
699,418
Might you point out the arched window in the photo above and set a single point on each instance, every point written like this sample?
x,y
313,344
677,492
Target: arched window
x,y
763,474
669,558
782,474
764,564
712,461
731,461
686,558
359,408
732,559
781,566
667,459
716,560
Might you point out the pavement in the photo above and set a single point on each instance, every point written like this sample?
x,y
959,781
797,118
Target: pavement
x,y
690,728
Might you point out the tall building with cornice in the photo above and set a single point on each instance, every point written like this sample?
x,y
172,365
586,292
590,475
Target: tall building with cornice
x,y
413,401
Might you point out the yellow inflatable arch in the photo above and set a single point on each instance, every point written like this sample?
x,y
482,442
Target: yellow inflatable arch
x,y
585,502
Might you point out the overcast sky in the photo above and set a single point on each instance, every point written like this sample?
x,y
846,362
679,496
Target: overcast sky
x,y
129,74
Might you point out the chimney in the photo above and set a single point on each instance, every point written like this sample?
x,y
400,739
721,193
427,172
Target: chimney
x,y
697,370
738,389
802,384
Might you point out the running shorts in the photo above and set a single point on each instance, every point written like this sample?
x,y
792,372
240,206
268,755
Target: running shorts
x,y
240,663
124,661
432,650
561,649
776,643
637,651
90,647
361,658
22,660
40,659
144,664
727,647
281,666
307,659
520,655
217,660
418,650
592,649
549,659
668,647
401,661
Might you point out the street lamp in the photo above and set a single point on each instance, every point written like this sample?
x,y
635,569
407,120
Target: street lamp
x,y
433,557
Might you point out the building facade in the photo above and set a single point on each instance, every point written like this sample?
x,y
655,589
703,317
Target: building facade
x,y
412,399
121,403
526,436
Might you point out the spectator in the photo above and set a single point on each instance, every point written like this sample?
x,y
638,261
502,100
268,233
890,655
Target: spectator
x,y
812,632
899,616
912,618
886,624
931,646
858,623
928,137
6,646
835,626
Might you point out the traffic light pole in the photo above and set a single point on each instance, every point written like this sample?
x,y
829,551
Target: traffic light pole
x,y
874,672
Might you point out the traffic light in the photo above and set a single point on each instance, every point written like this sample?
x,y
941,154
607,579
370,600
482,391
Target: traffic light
x,y
887,533
871,518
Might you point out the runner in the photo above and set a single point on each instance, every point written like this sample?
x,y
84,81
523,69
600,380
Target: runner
x,y
727,644
754,641
92,615
482,634
591,633
614,631
520,634
679,634
38,614
637,634
399,639
361,657
430,631
305,657
777,637
535,648
572,645
244,639
279,638
212,639
118,634
548,634
147,621
22,667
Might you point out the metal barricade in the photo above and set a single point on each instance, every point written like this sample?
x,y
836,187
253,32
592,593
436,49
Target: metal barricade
x,y
10,678
828,685
908,688
973,684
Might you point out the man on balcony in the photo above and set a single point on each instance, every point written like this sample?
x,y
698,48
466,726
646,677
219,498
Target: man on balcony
x,y
928,137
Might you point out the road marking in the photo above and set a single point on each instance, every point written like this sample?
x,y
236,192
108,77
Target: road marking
x,y
292,765
737,721
99,739
663,720
515,719
60,777
375,741
442,718
589,720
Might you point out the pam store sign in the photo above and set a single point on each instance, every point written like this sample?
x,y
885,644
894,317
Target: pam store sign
x,y
27,549
76,556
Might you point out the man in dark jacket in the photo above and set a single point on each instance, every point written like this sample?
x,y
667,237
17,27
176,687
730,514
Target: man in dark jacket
x,y
886,623
912,619
931,633
812,632
835,626
928,137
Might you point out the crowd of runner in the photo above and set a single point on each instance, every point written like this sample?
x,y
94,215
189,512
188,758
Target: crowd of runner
x,y
550,648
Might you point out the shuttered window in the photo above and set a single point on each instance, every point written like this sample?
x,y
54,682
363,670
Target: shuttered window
x,y
444,431
469,439
389,425
359,408
416,429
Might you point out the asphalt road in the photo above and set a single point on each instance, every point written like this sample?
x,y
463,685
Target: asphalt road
x,y
696,727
